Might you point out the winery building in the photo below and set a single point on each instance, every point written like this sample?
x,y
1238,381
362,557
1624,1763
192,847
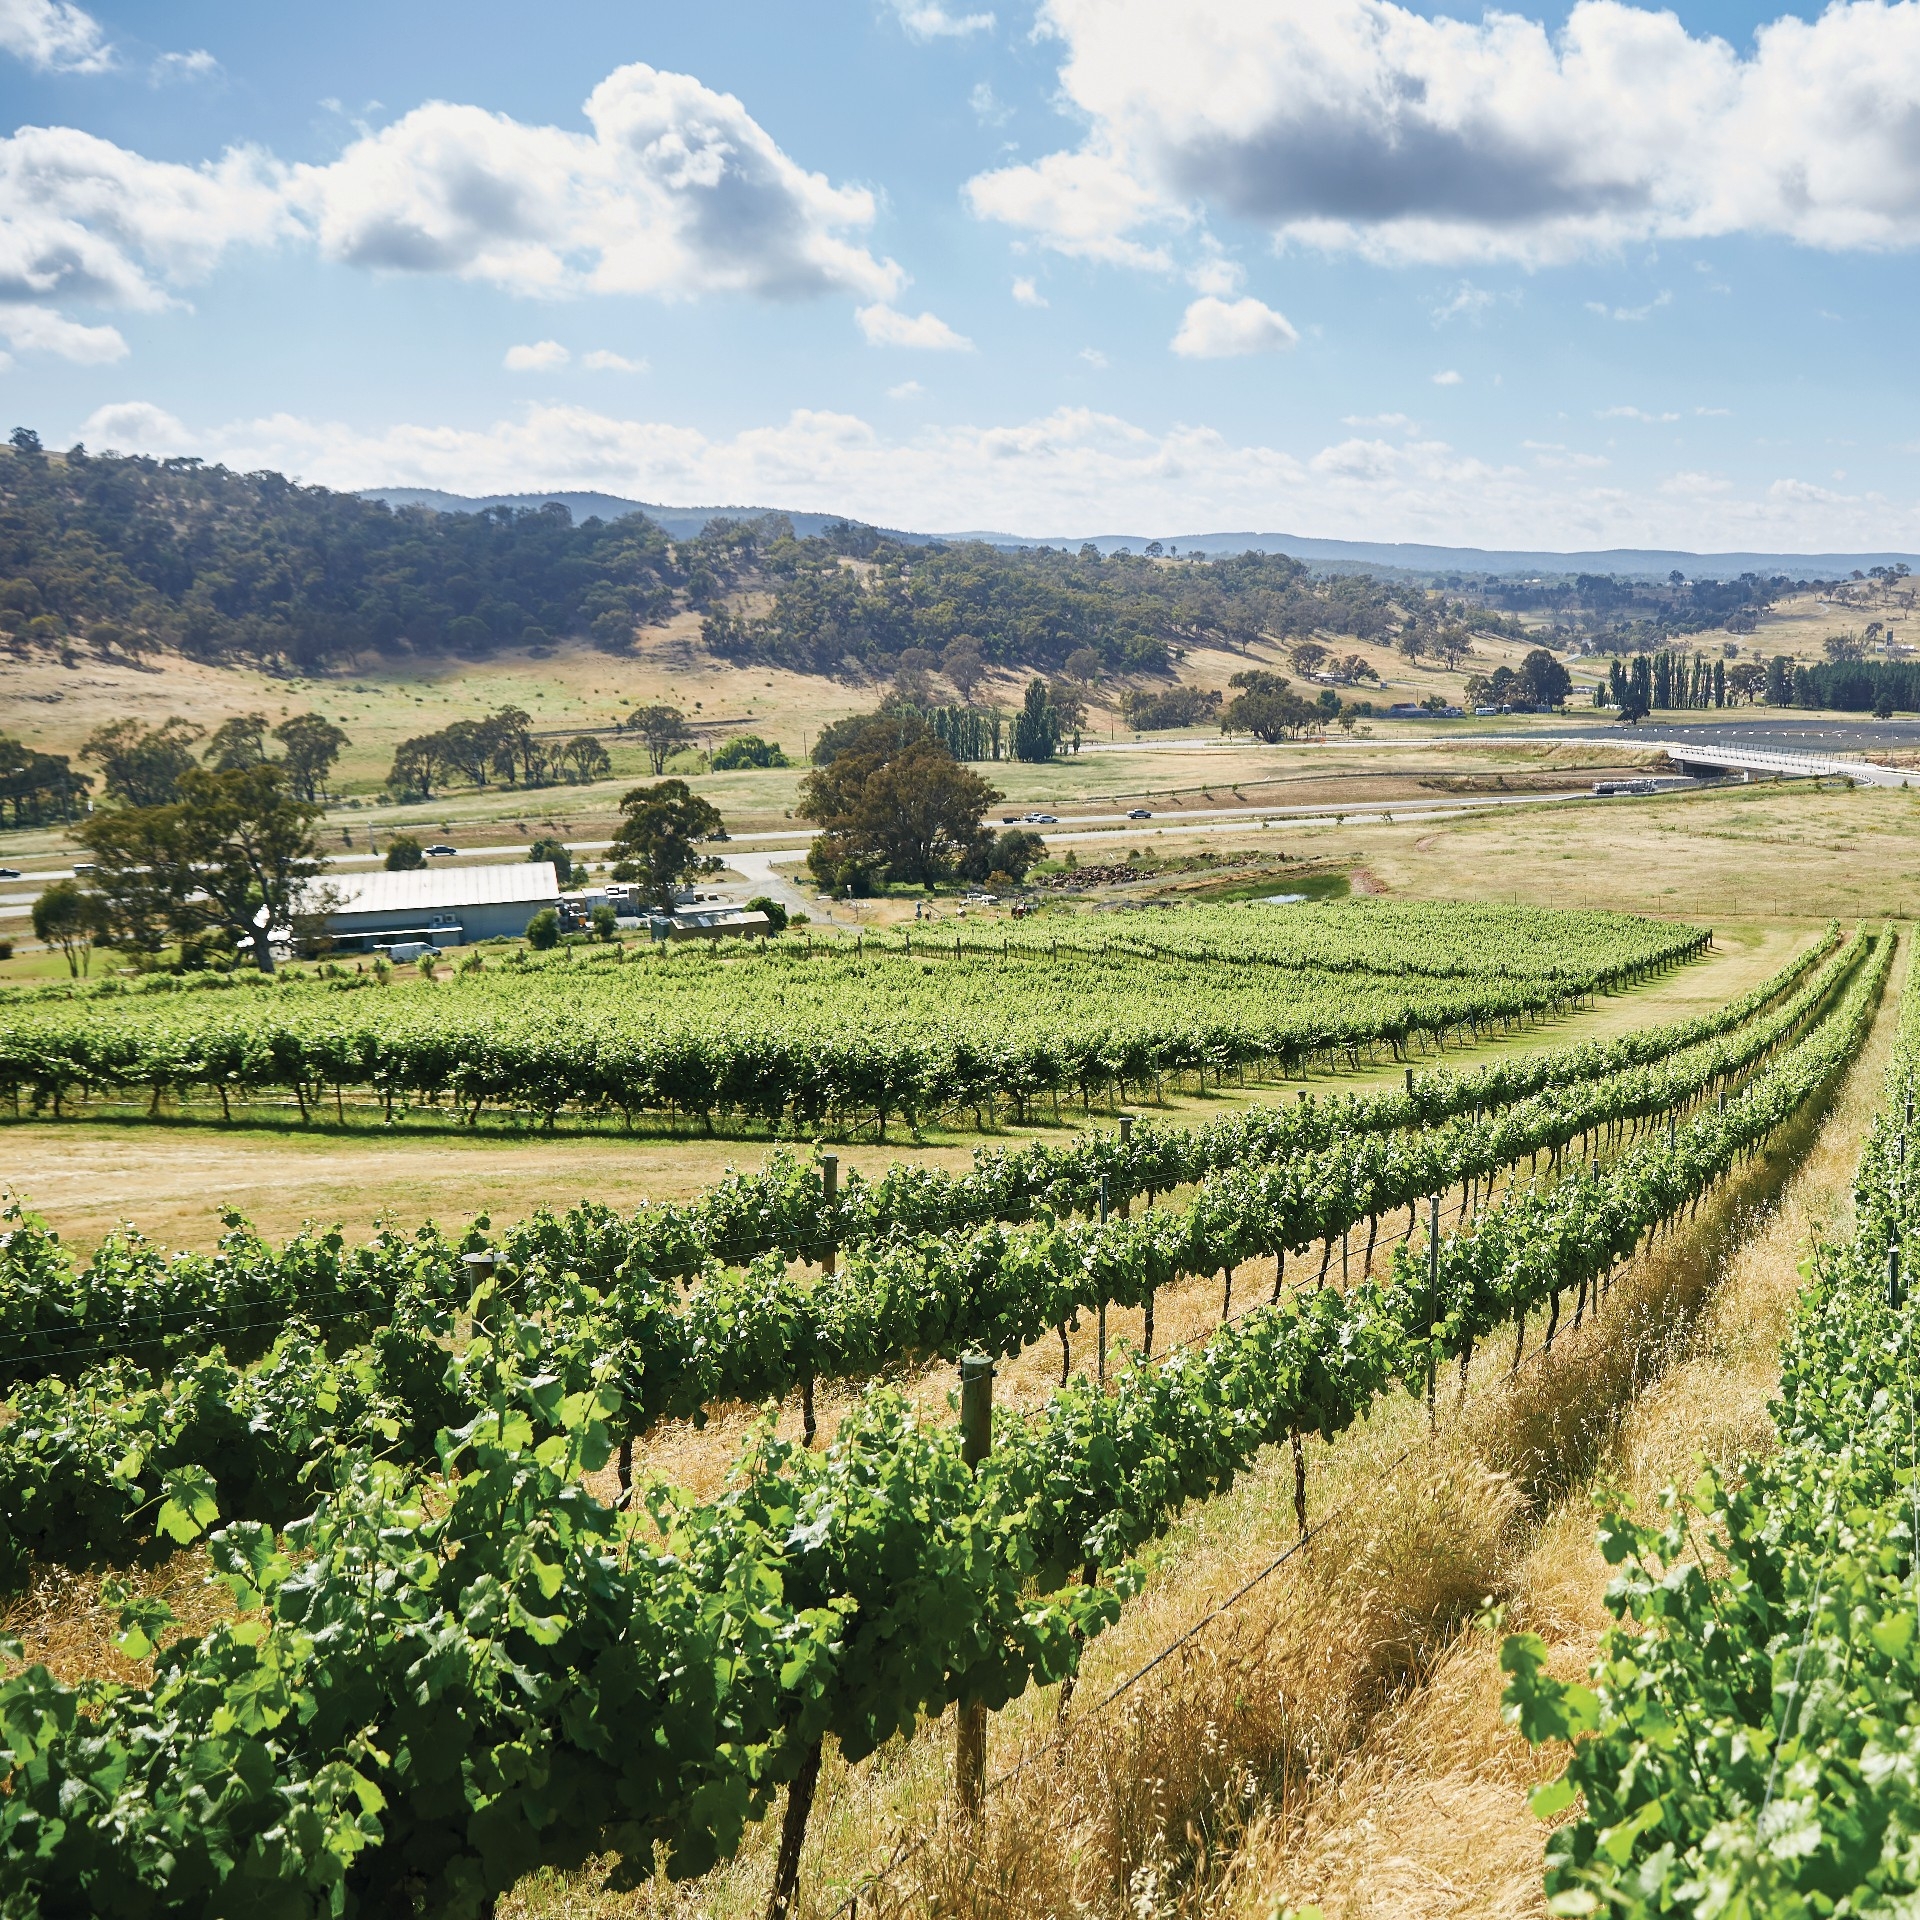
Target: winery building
x,y
450,906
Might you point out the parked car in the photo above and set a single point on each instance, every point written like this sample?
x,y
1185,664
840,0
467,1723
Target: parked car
x,y
443,848
1141,813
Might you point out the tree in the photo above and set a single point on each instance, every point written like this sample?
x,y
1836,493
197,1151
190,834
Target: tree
x,y
1780,680
606,923
252,857
543,930
1012,853
142,766
142,876
963,666
1545,681
67,916
1083,664
1746,680
511,748
776,913
556,851
1266,707
236,854
1308,657
1037,726
405,854
239,742
470,747
663,732
910,813
657,836
416,766
1844,647
1353,668
587,757
313,744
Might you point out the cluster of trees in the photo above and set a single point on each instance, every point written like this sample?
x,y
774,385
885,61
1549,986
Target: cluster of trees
x,y
893,804
39,787
129,554
1679,682
970,606
1879,687
211,851
1151,710
1539,681
1267,707
499,744
1617,615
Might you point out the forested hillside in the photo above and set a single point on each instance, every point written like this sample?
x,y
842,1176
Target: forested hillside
x,y
131,555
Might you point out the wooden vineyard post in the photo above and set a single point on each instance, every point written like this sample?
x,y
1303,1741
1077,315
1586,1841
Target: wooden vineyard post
x,y
1126,1209
1102,1373
1433,1293
829,1259
479,1270
976,1442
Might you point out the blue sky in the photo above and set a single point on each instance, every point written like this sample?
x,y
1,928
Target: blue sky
x,y
1586,276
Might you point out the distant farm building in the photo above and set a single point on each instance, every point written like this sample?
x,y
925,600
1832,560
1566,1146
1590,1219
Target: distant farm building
x,y
444,906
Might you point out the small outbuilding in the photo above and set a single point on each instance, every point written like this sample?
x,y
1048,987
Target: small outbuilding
x,y
450,906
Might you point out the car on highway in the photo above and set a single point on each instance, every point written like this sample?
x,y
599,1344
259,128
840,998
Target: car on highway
x,y
9,873
1041,819
1141,813
443,848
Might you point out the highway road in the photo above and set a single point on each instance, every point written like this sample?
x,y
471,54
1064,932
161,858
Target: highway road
x,y
757,851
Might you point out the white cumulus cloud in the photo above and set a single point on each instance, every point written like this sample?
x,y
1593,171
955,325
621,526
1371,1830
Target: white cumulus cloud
x,y
538,357
1215,329
886,326
197,65
1362,124
54,36
1026,294
135,426
1448,377
604,360
676,191
928,20
41,330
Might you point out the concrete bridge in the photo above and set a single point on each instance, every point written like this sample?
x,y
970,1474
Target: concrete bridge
x,y
1759,761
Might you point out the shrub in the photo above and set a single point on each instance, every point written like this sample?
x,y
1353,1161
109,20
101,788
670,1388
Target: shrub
x,y
405,854
604,927
555,851
543,930
775,912
747,750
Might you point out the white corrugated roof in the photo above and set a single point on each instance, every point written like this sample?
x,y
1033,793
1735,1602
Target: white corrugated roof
x,y
429,889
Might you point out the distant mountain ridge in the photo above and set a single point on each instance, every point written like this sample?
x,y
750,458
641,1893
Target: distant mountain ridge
x,y
1411,557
